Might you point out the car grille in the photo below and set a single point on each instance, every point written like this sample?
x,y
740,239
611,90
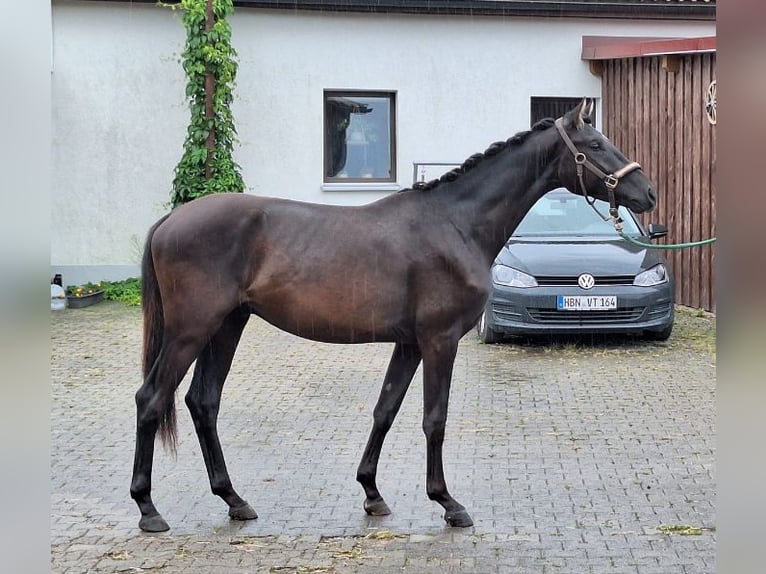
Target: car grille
x,y
622,315
507,312
658,310
569,281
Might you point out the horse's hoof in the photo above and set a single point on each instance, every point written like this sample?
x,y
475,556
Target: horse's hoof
x,y
376,507
154,523
459,518
244,512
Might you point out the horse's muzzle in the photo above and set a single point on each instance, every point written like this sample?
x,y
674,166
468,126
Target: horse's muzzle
x,y
652,198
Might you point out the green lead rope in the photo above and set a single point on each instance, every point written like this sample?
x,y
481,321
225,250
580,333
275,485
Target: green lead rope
x,y
670,246
617,222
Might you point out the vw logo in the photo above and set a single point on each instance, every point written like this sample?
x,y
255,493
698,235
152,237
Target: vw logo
x,y
586,281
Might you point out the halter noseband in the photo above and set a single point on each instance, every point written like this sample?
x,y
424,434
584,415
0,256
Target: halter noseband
x,y
610,179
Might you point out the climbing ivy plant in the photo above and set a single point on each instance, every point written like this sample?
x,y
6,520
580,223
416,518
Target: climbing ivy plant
x,y
209,61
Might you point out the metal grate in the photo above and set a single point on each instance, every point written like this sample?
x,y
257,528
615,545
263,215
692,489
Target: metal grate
x,y
658,310
504,311
569,281
623,315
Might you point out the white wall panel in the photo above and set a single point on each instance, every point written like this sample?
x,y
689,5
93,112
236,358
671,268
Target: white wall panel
x,y
119,116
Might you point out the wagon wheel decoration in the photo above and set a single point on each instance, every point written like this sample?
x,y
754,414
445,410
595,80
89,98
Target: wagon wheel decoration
x,y
710,103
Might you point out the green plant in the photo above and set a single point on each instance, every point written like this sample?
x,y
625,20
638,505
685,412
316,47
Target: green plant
x,y
83,290
209,61
125,291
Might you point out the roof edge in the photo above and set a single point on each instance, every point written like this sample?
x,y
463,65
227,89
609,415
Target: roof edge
x,y
616,47
537,8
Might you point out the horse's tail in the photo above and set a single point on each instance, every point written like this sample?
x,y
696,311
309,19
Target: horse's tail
x,y
154,327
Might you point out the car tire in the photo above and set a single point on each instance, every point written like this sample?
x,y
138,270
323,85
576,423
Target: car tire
x,y
486,333
662,335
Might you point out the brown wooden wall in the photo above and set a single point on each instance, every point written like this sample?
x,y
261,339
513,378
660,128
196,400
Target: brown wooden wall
x,y
658,118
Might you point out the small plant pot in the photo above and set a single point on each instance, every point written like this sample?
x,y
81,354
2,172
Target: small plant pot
x,y
74,302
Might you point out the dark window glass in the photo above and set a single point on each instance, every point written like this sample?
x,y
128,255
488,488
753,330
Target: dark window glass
x,y
542,108
359,136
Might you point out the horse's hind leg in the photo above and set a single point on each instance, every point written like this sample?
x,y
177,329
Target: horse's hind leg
x,y
146,429
171,365
203,401
404,363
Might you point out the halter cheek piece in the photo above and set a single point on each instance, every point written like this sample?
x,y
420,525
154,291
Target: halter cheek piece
x,y
610,179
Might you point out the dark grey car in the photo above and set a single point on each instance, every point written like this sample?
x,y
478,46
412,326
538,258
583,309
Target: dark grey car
x,y
567,271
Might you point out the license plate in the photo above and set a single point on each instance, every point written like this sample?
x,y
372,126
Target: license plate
x,y
586,302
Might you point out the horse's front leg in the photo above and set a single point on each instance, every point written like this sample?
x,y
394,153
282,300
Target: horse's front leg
x,y
438,359
204,400
404,362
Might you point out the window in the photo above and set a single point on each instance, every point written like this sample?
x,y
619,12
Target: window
x,y
359,137
562,213
541,108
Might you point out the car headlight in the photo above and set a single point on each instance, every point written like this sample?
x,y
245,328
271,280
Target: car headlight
x,y
654,276
503,275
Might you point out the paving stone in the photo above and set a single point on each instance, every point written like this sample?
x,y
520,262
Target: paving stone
x,y
568,458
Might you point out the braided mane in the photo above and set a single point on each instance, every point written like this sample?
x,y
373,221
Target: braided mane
x,y
477,158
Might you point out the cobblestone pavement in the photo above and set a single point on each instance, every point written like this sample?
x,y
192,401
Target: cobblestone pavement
x,y
570,457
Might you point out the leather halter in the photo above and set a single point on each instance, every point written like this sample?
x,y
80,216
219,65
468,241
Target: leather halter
x,y
610,179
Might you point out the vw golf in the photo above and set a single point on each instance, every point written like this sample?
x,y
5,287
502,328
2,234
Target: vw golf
x,y
565,270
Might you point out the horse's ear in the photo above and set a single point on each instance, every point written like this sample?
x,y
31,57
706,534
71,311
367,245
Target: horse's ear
x,y
576,116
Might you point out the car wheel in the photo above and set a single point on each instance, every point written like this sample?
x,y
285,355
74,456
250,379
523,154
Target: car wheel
x,y
486,333
662,335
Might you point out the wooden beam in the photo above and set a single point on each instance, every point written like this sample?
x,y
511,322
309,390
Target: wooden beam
x,y
611,48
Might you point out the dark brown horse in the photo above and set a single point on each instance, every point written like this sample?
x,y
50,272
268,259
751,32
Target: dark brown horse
x,y
410,269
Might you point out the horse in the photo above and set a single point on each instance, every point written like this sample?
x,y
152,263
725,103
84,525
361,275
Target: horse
x,y
411,268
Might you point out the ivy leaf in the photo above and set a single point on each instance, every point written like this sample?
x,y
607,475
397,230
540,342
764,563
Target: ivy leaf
x,y
207,53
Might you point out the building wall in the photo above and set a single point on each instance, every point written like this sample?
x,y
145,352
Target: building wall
x,y
119,115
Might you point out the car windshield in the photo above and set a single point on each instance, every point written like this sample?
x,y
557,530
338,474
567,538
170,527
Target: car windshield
x,y
562,213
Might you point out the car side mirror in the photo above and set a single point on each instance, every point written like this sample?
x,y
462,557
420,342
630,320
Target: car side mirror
x,y
657,230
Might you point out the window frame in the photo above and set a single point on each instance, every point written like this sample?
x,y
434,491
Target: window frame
x,y
334,183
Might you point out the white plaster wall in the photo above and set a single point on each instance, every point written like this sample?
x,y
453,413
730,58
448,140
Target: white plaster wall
x,y
119,116
118,124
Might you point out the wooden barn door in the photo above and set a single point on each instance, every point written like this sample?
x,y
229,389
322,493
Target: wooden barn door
x,y
654,110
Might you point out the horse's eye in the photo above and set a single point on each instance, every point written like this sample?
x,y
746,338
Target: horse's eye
x,y
595,145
